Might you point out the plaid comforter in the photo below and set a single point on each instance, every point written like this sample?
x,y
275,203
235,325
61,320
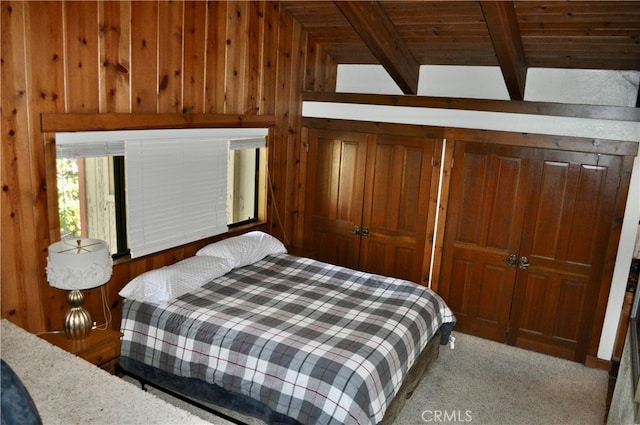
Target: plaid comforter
x,y
316,342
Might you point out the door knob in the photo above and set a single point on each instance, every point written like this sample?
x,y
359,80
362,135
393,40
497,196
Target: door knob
x,y
511,260
365,232
356,230
524,263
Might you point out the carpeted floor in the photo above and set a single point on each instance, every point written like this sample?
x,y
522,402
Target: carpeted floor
x,y
483,382
67,390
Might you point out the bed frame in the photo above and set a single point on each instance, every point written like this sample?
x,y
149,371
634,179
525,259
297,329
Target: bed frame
x,y
201,394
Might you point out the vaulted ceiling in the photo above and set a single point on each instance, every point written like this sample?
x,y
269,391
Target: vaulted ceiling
x,y
514,35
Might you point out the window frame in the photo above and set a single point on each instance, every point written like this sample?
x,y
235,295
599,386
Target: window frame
x,y
51,123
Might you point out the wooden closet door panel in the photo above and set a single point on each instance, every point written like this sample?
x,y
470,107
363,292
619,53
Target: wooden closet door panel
x,y
397,190
565,234
488,194
335,192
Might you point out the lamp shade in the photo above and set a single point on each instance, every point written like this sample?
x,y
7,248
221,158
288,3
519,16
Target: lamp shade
x,y
79,263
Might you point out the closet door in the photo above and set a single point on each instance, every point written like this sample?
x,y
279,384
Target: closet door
x,y
397,188
334,198
367,201
565,234
525,243
487,200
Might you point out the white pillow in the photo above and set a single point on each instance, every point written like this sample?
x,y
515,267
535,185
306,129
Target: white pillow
x,y
244,249
161,285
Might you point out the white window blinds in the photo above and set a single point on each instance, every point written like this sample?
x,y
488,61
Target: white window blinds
x,y
176,180
176,192
71,145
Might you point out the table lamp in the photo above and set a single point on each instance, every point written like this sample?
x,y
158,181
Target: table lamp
x,y
75,264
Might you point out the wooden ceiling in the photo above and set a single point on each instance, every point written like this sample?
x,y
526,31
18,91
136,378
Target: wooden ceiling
x,y
514,35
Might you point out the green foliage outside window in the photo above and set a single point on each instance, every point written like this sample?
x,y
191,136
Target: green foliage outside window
x,y
68,197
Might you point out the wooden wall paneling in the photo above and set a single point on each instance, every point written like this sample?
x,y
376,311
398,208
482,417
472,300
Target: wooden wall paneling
x,y
267,100
254,57
329,72
298,49
144,56
46,87
20,272
432,210
320,70
215,58
278,150
81,45
445,184
235,86
193,70
170,66
114,27
310,71
124,40
298,239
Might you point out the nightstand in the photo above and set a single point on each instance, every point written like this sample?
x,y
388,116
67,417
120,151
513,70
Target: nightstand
x,y
102,348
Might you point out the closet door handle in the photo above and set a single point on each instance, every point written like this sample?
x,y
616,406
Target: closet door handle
x,y
365,232
511,260
524,263
356,230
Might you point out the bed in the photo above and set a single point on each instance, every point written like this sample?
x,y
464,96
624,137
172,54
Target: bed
x,y
286,339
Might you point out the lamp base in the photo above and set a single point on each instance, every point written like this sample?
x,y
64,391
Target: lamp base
x,y
77,321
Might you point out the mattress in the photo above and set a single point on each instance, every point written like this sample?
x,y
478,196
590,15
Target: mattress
x,y
315,342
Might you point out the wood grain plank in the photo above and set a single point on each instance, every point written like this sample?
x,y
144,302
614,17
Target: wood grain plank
x,y
215,46
237,34
431,264
617,113
293,130
170,66
21,277
55,122
270,58
81,44
195,26
254,57
114,30
320,68
144,56
278,149
46,87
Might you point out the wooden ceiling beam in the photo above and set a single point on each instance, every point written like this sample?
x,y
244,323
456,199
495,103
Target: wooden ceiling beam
x,y
502,23
376,30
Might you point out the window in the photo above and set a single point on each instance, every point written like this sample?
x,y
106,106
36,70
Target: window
x,y
145,191
243,176
91,190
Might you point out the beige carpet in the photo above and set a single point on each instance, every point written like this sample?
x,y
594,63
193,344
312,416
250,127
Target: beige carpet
x,y
482,382
68,390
